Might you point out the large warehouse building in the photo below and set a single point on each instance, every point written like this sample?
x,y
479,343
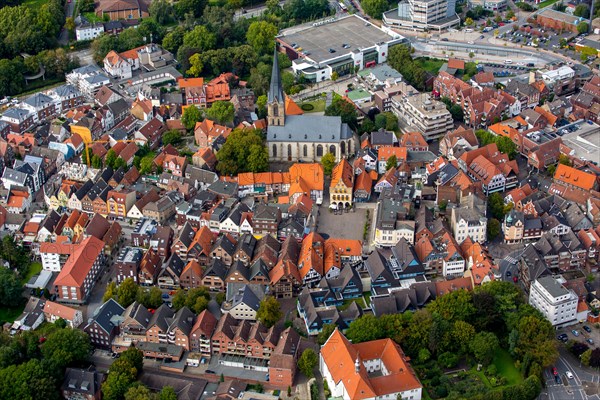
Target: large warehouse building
x,y
336,45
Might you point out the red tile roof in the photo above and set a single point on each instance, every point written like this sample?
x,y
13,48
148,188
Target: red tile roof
x,y
80,263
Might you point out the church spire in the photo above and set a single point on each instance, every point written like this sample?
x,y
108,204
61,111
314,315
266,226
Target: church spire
x,y
275,90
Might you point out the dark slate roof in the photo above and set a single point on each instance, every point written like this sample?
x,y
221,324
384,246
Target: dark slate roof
x,y
183,319
104,315
161,317
82,381
313,128
216,268
276,88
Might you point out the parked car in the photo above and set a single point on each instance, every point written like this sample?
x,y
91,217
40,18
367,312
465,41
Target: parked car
x,y
587,328
590,340
569,375
575,333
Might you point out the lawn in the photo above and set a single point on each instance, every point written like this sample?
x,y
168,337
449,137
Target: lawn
x,y
92,17
546,4
506,367
367,298
318,105
10,314
431,65
35,3
34,269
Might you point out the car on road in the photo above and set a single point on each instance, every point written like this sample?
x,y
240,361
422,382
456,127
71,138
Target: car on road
x,y
590,340
210,371
575,333
165,296
587,329
569,375
508,274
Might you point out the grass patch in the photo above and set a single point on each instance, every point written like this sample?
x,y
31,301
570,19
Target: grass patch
x,y
34,269
318,105
10,314
92,17
40,85
35,3
367,298
506,367
546,4
431,65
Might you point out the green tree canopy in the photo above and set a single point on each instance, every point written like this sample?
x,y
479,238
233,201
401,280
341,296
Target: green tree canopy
x,y
261,36
172,137
328,162
391,162
66,347
269,311
344,109
200,38
221,112
483,345
308,362
583,27
10,288
244,151
191,115
375,8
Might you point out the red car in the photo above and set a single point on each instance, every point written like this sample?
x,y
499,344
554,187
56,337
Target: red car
x,y
501,24
554,371
172,292
515,279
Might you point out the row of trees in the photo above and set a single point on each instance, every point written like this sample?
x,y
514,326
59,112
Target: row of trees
x,y
400,59
468,324
128,291
30,370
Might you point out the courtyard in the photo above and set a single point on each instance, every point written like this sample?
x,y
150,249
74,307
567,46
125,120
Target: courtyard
x,y
346,225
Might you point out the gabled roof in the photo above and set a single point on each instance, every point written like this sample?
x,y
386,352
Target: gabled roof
x,y
80,263
342,172
575,177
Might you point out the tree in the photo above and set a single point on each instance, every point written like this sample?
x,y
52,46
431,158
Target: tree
x,y
535,340
151,31
586,357
66,347
496,205
29,380
110,292
172,137
364,329
335,76
582,27
344,109
11,77
287,81
454,306
582,10
150,297
193,7
221,111
259,78
127,292
261,36
483,346
110,158
244,151
463,333
120,378
174,39
196,65
261,106
328,162
161,11
146,165
391,162
167,393
191,115
469,22
595,358
471,54
565,160
308,362
325,332
269,311
139,392
200,38
493,229
10,288
130,38
510,14
375,8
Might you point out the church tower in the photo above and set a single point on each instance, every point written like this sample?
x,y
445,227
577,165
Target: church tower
x,y
275,97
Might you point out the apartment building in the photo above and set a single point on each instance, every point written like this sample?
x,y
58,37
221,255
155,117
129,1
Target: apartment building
x,y
558,304
430,117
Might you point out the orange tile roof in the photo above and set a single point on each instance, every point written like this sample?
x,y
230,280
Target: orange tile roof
x,y
456,64
548,116
57,248
385,152
131,54
190,82
306,177
311,254
444,287
364,182
342,172
581,306
575,177
59,310
411,139
336,249
194,268
340,356
80,263
31,227
291,108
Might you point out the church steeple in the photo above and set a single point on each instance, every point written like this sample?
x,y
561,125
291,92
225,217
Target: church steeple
x,y
276,97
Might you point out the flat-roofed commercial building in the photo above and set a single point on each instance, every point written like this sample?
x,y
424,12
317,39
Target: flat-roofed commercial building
x,y
337,45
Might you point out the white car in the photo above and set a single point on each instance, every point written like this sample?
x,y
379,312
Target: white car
x,y
569,375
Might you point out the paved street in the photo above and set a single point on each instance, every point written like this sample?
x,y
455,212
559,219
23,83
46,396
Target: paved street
x,y
584,384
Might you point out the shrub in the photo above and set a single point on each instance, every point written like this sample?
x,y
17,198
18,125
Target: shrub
x,y
307,107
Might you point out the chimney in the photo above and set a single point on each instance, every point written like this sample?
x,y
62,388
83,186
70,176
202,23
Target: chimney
x,y
357,365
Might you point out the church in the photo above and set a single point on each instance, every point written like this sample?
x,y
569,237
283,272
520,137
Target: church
x,y
294,136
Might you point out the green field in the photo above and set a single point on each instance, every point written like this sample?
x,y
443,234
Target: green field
x,y
34,269
506,367
319,105
34,3
546,3
431,65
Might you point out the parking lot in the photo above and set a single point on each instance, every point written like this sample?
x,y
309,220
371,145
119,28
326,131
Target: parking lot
x,y
582,334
